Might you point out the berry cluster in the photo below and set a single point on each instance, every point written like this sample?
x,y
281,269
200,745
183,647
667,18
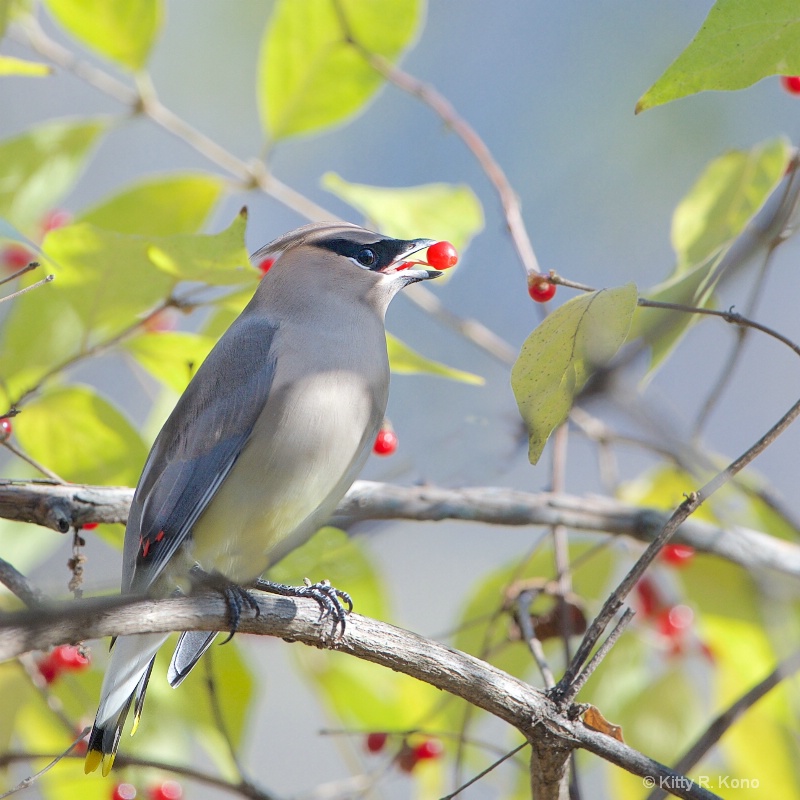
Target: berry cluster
x,y
6,429
64,658
673,621
409,754
166,790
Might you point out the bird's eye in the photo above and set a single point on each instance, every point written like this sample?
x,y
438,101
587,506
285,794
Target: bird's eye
x,y
366,257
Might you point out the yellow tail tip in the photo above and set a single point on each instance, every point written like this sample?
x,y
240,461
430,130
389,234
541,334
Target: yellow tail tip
x,y
108,762
93,760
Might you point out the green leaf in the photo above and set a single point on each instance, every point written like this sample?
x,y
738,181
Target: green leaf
x,y
219,259
161,206
106,277
729,193
309,76
405,361
739,43
81,437
40,332
663,329
172,357
18,66
38,167
111,278
559,357
121,30
434,210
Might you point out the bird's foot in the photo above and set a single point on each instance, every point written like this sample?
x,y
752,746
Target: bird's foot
x,y
331,600
236,597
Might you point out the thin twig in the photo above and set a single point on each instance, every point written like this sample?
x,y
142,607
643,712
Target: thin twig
x,y
31,779
20,585
27,289
531,639
32,461
442,107
484,772
27,268
95,350
728,717
601,652
122,761
563,690
216,710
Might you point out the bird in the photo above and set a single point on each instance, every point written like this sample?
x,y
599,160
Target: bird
x,y
267,438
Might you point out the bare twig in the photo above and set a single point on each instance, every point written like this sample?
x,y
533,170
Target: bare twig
x,y
30,780
27,268
730,715
442,107
122,761
21,454
19,584
30,288
523,617
484,772
564,689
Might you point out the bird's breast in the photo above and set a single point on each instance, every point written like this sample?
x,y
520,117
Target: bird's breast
x,y
307,447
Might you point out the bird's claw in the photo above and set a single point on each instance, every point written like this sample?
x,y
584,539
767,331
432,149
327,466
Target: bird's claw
x,y
332,601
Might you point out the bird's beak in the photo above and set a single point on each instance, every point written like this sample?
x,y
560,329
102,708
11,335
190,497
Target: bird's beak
x,y
404,262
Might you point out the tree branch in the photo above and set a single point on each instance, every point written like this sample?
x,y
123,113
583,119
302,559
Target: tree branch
x,y
479,683
61,507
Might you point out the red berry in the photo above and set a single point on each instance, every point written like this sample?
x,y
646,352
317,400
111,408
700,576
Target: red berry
x,y
168,790
385,442
648,597
57,218
442,255
430,748
540,289
5,429
89,526
791,83
375,742
68,657
48,669
124,791
164,320
678,555
16,256
675,621
265,265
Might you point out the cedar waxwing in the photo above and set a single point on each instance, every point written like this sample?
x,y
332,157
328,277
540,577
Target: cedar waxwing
x,y
265,441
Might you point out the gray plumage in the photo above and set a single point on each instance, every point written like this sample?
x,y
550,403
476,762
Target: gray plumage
x,y
267,438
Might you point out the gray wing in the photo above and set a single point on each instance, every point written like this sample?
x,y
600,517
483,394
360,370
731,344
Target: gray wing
x,y
197,447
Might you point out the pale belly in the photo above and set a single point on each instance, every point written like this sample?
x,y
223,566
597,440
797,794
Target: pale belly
x,y
289,478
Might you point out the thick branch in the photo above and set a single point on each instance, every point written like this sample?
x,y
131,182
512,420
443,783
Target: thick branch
x,y
457,673
60,507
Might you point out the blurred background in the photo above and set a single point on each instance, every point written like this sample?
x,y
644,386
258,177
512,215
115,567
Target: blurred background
x,y
551,88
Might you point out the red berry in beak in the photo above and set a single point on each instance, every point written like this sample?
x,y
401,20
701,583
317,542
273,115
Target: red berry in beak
x,y
442,255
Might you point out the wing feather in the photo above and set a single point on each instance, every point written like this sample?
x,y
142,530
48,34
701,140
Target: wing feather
x,y
197,447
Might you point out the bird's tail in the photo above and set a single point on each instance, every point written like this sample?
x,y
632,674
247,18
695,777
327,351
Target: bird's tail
x,y
125,682
188,651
